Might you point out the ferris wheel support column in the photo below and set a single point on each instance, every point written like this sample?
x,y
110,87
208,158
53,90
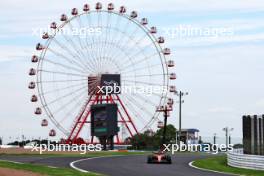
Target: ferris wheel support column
x,y
123,120
128,116
117,139
78,119
92,139
85,118
122,117
72,136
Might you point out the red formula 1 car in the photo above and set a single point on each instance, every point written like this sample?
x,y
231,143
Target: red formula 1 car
x,y
159,157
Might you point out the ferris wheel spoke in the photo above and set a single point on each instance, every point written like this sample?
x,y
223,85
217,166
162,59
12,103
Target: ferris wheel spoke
x,y
137,104
122,34
81,109
145,75
91,63
66,95
108,31
62,73
79,50
100,47
136,109
112,61
146,99
59,89
122,49
94,60
119,38
67,103
139,52
142,82
132,108
63,65
79,55
65,80
88,49
130,38
153,93
141,68
68,59
78,102
107,34
117,47
111,38
140,61
74,55
94,47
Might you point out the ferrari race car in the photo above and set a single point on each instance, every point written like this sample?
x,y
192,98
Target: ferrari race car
x,y
159,157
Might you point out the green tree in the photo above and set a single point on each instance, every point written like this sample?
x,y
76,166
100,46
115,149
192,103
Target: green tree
x,y
170,135
150,140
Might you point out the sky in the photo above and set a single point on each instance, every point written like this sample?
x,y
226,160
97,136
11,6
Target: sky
x,y
223,74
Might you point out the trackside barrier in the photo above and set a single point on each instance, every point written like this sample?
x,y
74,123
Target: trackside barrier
x,y
236,158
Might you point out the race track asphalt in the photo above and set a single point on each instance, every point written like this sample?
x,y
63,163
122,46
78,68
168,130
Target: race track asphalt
x,y
137,166
122,165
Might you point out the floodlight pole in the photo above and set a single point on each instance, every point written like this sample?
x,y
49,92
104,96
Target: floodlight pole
x,y
180,108
180,94
165,127
214,138
227,131
165,110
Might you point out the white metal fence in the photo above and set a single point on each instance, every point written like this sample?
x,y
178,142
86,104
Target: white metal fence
x,y
236,158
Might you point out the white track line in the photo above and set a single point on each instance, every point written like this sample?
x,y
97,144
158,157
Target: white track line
x,y
85,159
15,162
208,170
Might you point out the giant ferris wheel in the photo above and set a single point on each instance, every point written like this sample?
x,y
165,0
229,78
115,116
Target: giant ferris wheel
x,y
91,42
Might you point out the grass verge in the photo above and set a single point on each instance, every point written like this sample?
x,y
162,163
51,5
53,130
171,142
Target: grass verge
x,y
220,164
44,170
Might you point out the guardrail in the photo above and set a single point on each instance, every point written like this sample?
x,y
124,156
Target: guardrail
x,y
8,146
236,158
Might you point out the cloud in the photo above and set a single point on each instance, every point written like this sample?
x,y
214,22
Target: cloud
x,y
221,109
203,69
147,5
14,52
260,103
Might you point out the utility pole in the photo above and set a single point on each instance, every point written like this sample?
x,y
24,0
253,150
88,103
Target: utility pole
x,y
214,138
180,94
165,109
227,131
180,107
